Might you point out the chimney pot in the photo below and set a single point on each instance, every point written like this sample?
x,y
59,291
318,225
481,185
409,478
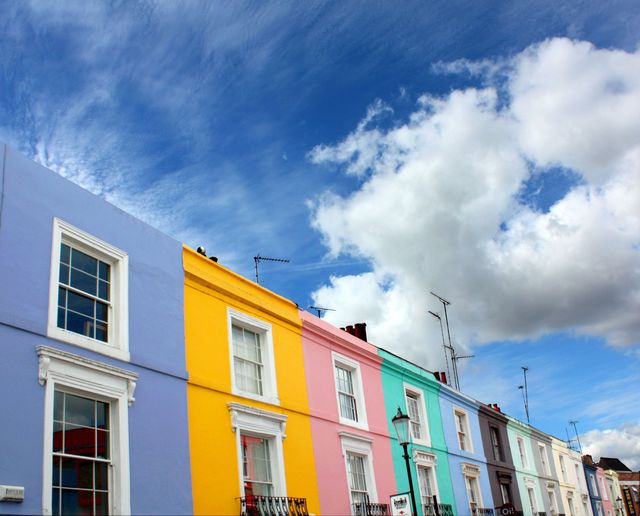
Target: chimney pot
x,y
437,375
443,375
351,330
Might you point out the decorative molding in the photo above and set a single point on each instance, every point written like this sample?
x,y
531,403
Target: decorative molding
x,y
470,470
46,354
424,458
254,418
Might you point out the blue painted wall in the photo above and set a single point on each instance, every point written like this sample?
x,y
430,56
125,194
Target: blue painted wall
x,y
30,197
448,399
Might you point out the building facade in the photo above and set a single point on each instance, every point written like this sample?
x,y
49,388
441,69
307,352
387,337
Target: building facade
x,y
415,392
250,430
467,461
91,331
500,465
348,420
573,488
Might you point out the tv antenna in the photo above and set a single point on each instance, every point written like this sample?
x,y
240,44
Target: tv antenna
x,y
257,259
575,428
525,393
444,344
320,309
454,355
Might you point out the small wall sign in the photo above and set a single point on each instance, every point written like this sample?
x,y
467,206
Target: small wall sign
x,y
400,504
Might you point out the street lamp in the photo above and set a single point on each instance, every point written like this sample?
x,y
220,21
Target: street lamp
x,y
401,424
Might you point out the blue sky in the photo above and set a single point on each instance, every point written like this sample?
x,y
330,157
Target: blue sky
x,y
484,150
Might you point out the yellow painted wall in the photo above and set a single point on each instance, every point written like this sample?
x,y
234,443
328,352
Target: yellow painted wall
x,y
209,290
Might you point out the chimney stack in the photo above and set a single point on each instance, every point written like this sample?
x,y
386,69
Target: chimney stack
x,y
437,375
351,330
361,331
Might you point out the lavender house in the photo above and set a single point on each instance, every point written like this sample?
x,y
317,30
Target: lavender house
x,y
92,365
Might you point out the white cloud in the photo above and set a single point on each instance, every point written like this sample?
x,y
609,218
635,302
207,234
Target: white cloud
x,y
440,207
622,443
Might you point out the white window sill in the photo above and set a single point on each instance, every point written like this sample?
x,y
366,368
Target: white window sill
x,y
271,400
421,442
356,424
81,341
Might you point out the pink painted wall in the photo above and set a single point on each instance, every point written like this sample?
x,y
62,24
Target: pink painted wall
x,y
605,496
319,339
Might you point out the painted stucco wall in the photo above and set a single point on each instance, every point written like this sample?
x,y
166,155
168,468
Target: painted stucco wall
x,y
450,398
31,197
572,482
320,340
499,468
605,495
548,479
210,289
396,373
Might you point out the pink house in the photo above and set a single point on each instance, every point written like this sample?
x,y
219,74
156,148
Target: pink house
x,y
607,503
349,424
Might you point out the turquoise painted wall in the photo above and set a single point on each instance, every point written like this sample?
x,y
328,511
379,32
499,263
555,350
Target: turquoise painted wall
x,y
517,429
396,373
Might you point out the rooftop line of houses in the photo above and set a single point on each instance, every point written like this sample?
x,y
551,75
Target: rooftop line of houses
x,y
141,377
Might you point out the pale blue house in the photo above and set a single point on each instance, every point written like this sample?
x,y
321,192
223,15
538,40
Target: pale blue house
x,y
92,364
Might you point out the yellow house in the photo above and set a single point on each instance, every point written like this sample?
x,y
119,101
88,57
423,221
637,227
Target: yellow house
x,y
250,433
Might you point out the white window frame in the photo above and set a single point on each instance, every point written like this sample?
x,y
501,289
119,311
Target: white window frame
x,y
605,496
247,420
530,488
422,413
428,461
563,468
553,503
117,345
472,471
522,451
264,330
570,504
358,391
495,431
63,371
467,424
358,445
544,459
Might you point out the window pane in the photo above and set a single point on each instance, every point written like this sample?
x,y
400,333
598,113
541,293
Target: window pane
x,y
83,281
55,474
84,262
104,271
102,444
58,436
80,304
55,502
63,277
103,290
80,324
101,476
102,414
77,473
102,332
79,440
64,253
79,411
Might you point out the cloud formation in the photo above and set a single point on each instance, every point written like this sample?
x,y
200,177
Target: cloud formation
x,y
443,205
622,443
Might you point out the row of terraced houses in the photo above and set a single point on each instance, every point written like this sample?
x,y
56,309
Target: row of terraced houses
x,y
142,377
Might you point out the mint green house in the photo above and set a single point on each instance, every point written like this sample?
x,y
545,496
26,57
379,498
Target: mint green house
x,y
416,392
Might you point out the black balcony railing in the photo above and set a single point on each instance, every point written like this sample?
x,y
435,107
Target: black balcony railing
x,y
255,505
481,511
371,509
444,509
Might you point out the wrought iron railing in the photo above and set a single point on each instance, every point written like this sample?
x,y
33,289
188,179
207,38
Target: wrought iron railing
x,y
371,509
444,509
255,505
482,511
